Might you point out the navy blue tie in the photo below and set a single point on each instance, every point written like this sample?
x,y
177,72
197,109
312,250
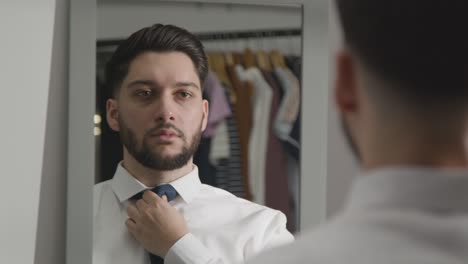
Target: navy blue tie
x,y
171,194
165,189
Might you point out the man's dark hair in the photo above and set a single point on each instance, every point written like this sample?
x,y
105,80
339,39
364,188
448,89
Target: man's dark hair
x,y
419,47
157,38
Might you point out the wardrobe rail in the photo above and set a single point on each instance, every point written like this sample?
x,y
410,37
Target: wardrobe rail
x,y
213,36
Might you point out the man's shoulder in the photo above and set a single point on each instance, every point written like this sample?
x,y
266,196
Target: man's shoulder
x,y
220,197
385,236
326,243
102,186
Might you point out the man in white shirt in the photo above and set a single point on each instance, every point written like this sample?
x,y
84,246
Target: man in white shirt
x,y
402,91
156,77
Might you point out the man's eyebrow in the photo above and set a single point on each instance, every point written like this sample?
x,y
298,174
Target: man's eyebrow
x,y
185,84
153,84
142,82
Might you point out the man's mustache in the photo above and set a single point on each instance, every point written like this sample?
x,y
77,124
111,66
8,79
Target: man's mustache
x,y
154,130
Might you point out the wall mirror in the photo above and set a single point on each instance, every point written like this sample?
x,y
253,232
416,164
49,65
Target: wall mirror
x,y
286,147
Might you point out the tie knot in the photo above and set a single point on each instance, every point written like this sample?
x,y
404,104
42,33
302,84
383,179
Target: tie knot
x,y
165,189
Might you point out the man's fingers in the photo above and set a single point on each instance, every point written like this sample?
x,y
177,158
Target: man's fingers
x,y
164,197
131,226
150,197
133,213
141,205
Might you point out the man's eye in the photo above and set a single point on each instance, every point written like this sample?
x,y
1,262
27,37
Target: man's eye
x,y
146,93
185,94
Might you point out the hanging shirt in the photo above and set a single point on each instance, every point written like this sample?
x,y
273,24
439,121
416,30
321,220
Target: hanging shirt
x,y
242,109
201,158
278,191
228,169
294,63
220,147
394,215
261,103
219,108
223,228
289,107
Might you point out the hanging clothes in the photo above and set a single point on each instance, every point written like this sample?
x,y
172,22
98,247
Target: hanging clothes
x,y
294,63
206,169
289,107
268,138
261,103
219,108
243,116
218,111
276,173
228,174
217,156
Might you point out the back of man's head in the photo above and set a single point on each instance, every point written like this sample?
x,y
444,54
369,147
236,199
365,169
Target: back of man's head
x,y
417,48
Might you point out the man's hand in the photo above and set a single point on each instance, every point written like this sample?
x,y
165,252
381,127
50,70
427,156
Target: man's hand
x,y
155,223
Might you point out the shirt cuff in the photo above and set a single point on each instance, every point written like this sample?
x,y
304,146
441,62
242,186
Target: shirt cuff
x,y
189,250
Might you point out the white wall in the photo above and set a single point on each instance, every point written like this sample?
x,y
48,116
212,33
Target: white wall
x,y
206,17
50,232
119,19
27,33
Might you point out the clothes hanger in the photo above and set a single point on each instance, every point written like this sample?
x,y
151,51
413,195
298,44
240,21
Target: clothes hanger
x,y
229,58
277,59
209,57
249,58
263,61
261,57
238,58
220,65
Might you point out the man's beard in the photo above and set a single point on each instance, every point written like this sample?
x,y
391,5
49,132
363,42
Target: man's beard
x,y
349,139
149,158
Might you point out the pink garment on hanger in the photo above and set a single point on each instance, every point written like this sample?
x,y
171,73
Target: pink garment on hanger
x,y
219,106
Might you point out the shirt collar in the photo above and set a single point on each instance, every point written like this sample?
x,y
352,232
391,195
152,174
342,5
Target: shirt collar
x,y
188,186
125,185
417,187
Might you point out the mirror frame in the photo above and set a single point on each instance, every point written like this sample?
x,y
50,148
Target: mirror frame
x,y
81,141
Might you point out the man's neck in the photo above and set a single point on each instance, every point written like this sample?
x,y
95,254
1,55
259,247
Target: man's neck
x,y
413,153
151,177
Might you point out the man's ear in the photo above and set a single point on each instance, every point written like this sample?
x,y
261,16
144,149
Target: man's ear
x,y
346,86
112,114
206,108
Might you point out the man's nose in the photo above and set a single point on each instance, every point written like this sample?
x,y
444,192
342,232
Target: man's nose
x,y
164,110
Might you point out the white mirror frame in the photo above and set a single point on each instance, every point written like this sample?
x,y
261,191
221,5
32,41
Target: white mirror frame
x,y
81,142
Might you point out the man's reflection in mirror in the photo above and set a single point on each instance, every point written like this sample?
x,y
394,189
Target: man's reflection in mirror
x,y
155,209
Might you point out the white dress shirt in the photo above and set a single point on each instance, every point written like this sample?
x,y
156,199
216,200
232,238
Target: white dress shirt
x,y
404,216
289,107
223,228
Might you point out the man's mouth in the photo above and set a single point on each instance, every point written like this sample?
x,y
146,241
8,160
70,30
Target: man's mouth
x,y
166,134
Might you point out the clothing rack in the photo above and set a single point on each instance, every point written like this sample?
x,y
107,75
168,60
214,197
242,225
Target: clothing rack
x,y
214,36
249,34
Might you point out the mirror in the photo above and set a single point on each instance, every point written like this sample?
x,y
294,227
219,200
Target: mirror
x,y
251,149
239,32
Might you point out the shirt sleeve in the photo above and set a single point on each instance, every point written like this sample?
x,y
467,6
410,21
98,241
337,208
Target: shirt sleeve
x,y
190,250
276,233
270,232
